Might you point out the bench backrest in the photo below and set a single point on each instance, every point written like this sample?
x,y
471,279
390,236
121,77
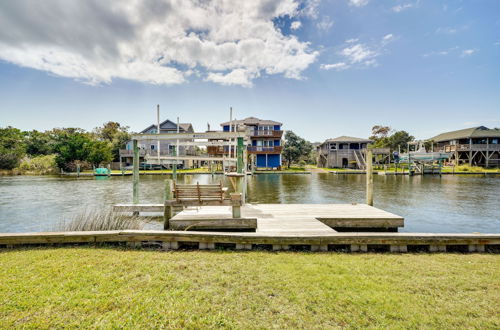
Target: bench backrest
x,y
198,192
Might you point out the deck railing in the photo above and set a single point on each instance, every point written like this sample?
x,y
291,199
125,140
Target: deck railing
x,y
470,147
142,153
257,149
268,133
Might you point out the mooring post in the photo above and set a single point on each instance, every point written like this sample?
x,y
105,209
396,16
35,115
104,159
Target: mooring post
x,y
109,170
174,166
135,173
77,170
369,176
409,162
240,164
167,211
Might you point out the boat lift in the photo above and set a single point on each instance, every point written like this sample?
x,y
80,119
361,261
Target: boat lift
x,y
422,160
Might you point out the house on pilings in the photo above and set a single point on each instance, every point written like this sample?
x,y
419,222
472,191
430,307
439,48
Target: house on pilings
x,y
478,146
348,152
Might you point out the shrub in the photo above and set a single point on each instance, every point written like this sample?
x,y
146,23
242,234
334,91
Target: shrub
x,y
95,220
40,164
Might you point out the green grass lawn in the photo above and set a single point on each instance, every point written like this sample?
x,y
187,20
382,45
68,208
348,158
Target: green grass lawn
x,y
111,288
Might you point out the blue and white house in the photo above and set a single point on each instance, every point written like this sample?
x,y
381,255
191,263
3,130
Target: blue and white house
x,y
264,136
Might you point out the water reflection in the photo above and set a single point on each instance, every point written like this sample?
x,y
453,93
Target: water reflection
x,y
428,203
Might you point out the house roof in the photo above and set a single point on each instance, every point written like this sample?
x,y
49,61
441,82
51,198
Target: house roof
x,y
252,121
473,132
347,139
169,125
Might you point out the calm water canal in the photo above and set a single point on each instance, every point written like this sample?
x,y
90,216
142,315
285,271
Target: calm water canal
x,y
455,204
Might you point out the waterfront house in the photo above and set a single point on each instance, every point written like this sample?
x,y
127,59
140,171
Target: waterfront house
x,y
348,152
343,152
474,146
264,143
150,147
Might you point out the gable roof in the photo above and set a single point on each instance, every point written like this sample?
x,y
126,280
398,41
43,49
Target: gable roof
x,y
169,125
473,132
347,139
252,121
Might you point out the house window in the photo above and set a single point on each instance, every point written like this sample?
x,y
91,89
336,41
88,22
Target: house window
x,y
333,146
494,141
152,147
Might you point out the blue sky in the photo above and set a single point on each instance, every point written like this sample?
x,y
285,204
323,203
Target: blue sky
x,y
323,68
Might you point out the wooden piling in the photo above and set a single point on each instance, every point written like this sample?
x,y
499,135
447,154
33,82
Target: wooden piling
x,y
167,212
135,174
369,177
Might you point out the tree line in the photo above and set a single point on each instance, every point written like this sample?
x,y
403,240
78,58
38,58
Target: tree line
x,y
65,148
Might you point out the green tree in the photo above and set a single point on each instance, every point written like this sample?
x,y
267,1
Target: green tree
x,y
99,152
12,147
295,148
116,134
400,139
71,145
382,138
39,143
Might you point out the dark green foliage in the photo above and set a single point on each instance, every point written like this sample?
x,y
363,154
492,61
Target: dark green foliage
x,y
12,147
39,143
382,138
72,144
114,133
99,152
295,148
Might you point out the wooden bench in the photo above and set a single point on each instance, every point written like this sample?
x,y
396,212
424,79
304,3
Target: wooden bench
x,y
201,195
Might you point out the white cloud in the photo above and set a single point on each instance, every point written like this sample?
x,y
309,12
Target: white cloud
x,y
388,38
358,3
157,41
325,24
468,52
310,8
336,66
356,54
456,51
295,25
236,77
400,8
451,30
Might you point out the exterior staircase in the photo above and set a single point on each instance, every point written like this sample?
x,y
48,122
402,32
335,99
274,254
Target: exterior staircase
x,y
360,159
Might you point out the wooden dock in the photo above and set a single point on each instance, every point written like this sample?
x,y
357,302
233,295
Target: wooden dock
x,y
284,218
333,241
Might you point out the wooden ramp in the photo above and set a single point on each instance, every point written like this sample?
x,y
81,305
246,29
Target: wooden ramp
x,y
298,219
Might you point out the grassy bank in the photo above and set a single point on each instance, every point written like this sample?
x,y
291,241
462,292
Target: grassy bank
x,y
104,287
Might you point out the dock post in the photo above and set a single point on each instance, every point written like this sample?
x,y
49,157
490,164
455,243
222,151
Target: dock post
x,y
135,178
236,208
168,209
239,164
77,170
369,177
174,166
109,170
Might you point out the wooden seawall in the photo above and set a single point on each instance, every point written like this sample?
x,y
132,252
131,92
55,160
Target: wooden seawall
x,y
332,241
